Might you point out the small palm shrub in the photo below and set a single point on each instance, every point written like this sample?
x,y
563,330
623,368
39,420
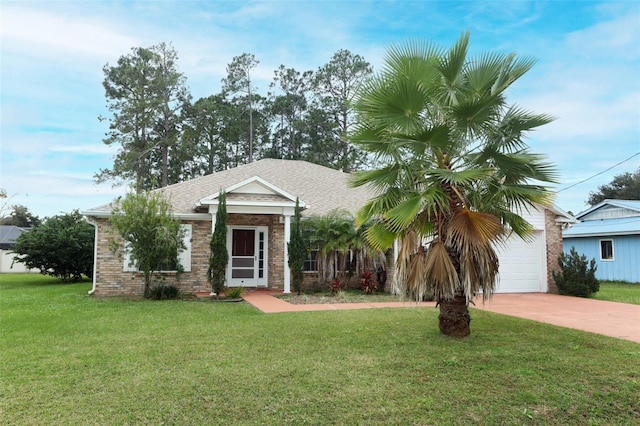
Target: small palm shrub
x,y
234,292
577,276
367,282
164,292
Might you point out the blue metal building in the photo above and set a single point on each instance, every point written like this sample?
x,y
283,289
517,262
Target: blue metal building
x,y
609,232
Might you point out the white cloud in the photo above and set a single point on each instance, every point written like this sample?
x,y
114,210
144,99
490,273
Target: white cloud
x,y
88,149
617,38
57,33
596,102
48,194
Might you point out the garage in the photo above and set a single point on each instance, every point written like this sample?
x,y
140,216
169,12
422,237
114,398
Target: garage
x,y
522,265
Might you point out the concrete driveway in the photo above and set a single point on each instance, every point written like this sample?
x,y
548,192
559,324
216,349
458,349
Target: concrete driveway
x,y
621,320
613,319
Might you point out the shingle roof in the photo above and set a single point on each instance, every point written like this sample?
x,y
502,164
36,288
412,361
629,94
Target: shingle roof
x,y
8,236
324,189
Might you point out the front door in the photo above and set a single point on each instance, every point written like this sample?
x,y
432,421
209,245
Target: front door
x,y
248,260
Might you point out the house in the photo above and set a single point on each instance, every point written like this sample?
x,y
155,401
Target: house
x,y
609,232
261,199
8,236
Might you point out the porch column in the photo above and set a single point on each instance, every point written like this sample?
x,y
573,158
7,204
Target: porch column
x,y
287,237
213,219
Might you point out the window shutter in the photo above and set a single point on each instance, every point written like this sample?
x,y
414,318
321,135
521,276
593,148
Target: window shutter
x,y
184,255
128,266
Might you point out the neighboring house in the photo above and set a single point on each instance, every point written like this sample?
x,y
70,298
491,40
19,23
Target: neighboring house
x,y
261,199
609,232
8,236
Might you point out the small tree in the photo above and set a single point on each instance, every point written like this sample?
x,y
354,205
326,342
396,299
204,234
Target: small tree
x,y
577,277
62,247
297,251
21,216
219,257
625,186
150,233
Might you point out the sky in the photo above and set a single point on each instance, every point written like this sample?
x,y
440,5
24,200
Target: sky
x,y
52,55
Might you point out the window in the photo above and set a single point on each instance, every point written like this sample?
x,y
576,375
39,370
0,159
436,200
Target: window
x,y
310,261
606,249
184,256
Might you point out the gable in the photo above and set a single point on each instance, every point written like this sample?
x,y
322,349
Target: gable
x,y
253,195
611,209
254,188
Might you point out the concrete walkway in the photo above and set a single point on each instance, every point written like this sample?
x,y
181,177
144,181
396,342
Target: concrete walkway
x,y
613,319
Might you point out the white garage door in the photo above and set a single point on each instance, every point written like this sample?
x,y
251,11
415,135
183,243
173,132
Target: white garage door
x,y
522,265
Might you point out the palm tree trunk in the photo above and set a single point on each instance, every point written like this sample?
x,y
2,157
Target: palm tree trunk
x,y
454,318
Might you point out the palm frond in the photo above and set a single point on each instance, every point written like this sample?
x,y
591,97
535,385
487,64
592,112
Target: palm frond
x,y
440,270
431,136
518,225
478,270
513,68
379,237
407,249
414,52
517,167
403,214
460,177
475,115
451,65
469,228
379,179
482,72
518,120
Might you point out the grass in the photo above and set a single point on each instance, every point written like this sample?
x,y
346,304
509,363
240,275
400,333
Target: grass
x,y
616,291
70,359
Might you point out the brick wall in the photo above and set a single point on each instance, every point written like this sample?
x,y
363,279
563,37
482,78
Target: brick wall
x,y
554,248
111,280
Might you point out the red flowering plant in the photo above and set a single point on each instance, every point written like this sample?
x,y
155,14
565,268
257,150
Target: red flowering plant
x,y
367,282
336,285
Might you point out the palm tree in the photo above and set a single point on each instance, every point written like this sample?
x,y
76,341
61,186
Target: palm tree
x,y
332,235
340,246
455,171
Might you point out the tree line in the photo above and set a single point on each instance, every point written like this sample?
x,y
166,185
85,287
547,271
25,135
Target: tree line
x,y
165,137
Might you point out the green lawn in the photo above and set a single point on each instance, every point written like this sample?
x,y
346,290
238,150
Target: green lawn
x,y
619,292
69,359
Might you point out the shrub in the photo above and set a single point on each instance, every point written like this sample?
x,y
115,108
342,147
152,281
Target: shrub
x,y
144,226
577,276
234,292
62,246
164,292
367,283
297,251
219,256
336,285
